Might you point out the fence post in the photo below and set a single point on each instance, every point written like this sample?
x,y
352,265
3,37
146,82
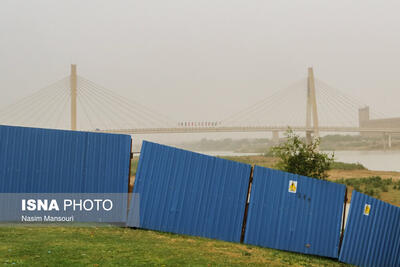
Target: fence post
x,y
129,181
246,205
343,221
130,166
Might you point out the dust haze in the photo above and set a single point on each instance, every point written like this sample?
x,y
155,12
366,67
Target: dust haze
x,y
203,60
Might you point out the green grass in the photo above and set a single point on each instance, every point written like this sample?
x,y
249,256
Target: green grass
x,y
373,186
110,246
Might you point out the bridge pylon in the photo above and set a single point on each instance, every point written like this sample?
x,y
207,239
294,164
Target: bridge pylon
x,y
73,86
312,111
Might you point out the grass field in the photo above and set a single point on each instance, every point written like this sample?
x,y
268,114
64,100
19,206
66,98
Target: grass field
x,y
105,246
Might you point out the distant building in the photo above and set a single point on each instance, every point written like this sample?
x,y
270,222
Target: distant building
x,y
366,122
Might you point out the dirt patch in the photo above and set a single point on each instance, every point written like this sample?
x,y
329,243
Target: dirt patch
x,y
338,174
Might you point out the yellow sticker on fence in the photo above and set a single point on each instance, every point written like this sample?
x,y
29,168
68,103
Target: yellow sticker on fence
x,y
292,186
367,209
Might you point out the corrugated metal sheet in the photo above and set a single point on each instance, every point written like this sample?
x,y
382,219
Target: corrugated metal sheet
x,y
374,239
307,221
36,160
190,193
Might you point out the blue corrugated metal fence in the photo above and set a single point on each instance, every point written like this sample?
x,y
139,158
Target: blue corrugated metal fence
x,y
34,160
294,213
372,235
190,193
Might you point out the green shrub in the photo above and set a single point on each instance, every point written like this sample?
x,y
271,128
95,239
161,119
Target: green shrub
x,y
371,186
347,166
297,156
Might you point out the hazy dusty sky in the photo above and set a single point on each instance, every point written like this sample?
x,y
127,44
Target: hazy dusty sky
x,y
205,59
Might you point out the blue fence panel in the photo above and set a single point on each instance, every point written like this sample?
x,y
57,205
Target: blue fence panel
x,y
372,234
294,213
34,160
190,193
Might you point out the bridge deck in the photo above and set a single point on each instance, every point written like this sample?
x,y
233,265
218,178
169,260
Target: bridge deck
x,y
249,129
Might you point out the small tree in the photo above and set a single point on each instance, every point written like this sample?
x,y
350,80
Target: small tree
x,y
296,156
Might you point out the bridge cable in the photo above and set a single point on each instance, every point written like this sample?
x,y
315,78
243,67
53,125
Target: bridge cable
x,y
121,100
119,105
31,105
91,108
253,108
94,94
40,114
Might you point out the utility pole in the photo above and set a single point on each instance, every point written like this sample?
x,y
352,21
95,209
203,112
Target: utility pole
x,y
311,113
73,85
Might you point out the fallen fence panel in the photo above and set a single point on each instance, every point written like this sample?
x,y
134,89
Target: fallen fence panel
x,y
372,234
294,213
189,193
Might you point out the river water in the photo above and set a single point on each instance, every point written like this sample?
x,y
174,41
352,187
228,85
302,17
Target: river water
x,y
373,160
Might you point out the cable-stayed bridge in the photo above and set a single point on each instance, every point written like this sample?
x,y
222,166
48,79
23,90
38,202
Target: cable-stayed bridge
x,y
309,105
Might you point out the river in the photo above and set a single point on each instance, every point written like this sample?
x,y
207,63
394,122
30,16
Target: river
x,y
373,160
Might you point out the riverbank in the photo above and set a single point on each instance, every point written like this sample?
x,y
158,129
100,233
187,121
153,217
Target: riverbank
x,y
263,145
342,170
373,160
